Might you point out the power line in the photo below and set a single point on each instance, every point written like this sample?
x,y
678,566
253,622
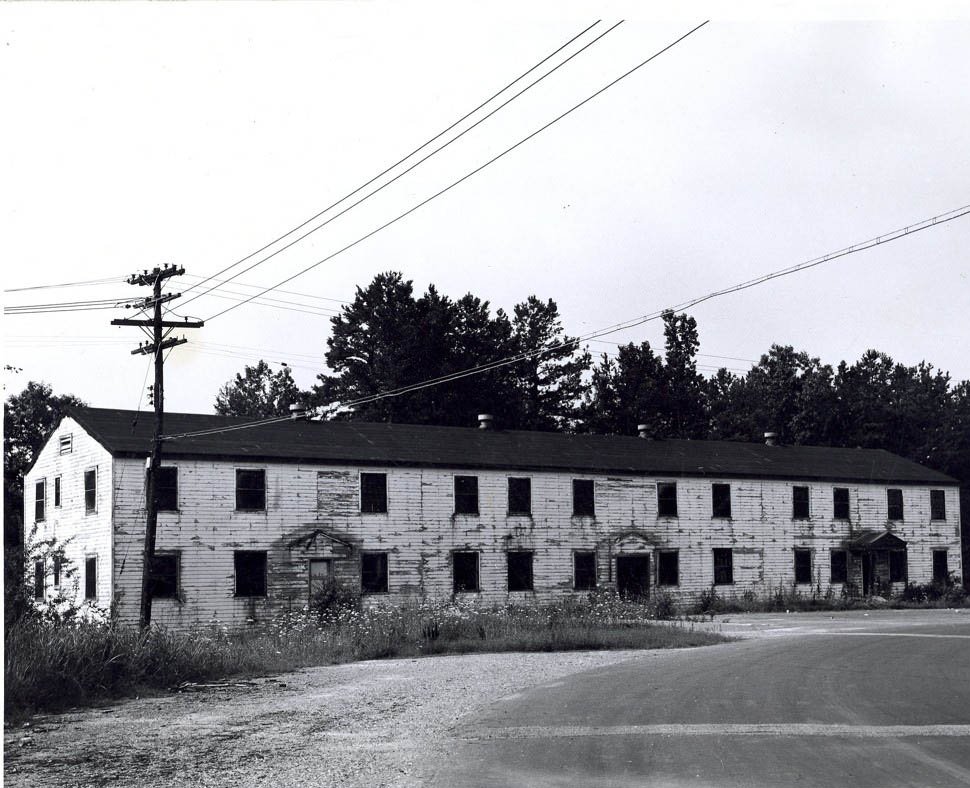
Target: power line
x,y
106,280
468,175
384,172
859,247
261,287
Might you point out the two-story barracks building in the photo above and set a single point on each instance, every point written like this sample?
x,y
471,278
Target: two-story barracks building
x,y
251,518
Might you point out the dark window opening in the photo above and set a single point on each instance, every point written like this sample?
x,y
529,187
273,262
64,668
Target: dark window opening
x,y
250,491
520,495
840,503
666,499
38,579
897,566
91,491
721,498
373,573
57,570
799,503
894,502
57,491
40,501
167,494
937,505
373,493
668,568
633,576
250,568
839,566
466,495
163,581
583,500
803,566
465,570
91,577
520,570
941,571
584,570
723,566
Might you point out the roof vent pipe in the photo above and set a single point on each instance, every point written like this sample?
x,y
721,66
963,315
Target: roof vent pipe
x,y
643,430
486,421
771,438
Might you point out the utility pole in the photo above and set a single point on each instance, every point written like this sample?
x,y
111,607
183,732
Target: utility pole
x,y
158,345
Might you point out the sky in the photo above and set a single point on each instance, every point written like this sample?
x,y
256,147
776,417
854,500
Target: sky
x,y
139,135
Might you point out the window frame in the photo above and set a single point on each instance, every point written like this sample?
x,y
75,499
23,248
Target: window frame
x,y
466,495
663,501
527,512
661,580
40,581
260,592
40,502
845,565
56,571
801,509
729,566
57,491
478,572
166,468
891,492
587,555
373,506
800,570
175,583
582,483
91,579
527,571
938,505
249,490
382,573
836,504
65,444
721,486
91,507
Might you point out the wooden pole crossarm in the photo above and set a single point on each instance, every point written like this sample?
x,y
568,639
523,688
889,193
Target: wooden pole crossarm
x,y
165,323
144,350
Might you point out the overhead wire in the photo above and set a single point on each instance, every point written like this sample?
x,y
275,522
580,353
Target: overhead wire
x,y
425,158
398,162
468,175
105,280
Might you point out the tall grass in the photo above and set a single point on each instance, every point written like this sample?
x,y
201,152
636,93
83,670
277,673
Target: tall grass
x,y
54,666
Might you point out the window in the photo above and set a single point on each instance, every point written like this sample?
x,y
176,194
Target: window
x,y
466,495
721,499
723,566
373,573
840,503
839,566
373,493
666,499
799,503
583,501
57,492
167,493
897,566
803,566
38,579
57,571
40,501
91,577
520,570
584,570
894,503
520,496
250,493
250,566
668,568
321,569
91,491
163,581
465,570
941,572
937,505
66,443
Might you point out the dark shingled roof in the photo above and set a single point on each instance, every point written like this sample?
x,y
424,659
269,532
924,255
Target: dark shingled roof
x,y
363,443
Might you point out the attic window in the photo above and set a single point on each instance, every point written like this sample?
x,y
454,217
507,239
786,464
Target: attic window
x,y
66,443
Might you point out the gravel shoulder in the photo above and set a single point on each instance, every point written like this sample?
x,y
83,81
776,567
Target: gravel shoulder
x,y
377,723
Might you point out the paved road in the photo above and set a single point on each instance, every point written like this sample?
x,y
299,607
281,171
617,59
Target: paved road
x,y
861,699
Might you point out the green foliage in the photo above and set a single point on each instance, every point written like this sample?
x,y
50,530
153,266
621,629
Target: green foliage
x,y
330,597
259,393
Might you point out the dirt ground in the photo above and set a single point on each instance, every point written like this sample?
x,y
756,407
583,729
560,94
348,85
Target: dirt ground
x,y
378,723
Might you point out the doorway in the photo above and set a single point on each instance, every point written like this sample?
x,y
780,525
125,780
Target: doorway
x,y
633,576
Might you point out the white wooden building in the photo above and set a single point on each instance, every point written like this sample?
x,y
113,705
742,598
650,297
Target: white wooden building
x,y
250,517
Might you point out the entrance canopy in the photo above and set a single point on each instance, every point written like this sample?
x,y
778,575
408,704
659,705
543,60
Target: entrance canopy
x,y
875,540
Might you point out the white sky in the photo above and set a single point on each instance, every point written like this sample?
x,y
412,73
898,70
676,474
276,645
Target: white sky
x,y
137,135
